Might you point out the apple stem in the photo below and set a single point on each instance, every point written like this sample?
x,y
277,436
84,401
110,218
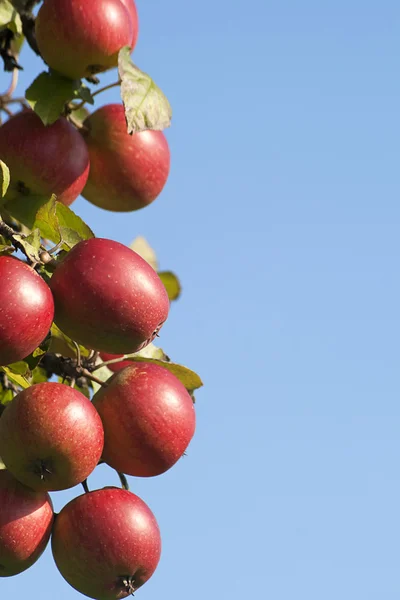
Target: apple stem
x,y
124,481
85,486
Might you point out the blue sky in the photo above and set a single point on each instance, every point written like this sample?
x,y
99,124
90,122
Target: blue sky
x,y
281,216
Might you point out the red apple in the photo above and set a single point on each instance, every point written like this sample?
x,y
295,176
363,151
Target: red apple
x,y
127,172
26,518
108,298
79,38
51,437
106,543
26,310
132,10
118,365
43,160
148,418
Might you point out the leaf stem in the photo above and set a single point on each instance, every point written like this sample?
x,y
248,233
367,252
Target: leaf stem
x,y
103,89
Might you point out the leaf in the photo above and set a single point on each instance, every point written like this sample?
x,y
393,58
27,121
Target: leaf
x,y
15,378
19,368
4,178
80,114
152,354
171,284
30,243
103,374
62,344
85,94
5,247
50,92
9,17
39,375
47,221
142,247
73,228
34,359
59,223
2,465
5,398
151,351
23,207
146,107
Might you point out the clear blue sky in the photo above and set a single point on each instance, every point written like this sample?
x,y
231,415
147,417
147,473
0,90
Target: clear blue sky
x,y
281,217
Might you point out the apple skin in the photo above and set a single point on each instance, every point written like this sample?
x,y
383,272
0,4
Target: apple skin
x,y
26,310
116,366
127,172
108,298
51,437
148,418
105,537
26,519
132,10
43,160
79,38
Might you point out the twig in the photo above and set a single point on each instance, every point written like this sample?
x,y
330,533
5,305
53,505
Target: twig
x,y
103,89
109,362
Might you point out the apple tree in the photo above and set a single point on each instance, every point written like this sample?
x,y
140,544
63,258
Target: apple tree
x,y
81,380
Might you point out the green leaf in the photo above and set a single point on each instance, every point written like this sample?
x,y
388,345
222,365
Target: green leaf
x,y
150,351
50,92
103,374
59,223
155,355
30,243
19,368
23,207
80,114
73,229
62,344
39,376
146,107
9,17
189,378
142,247
4,178
5,247
47,221
34,359
171,284
5,398
85,94
15,378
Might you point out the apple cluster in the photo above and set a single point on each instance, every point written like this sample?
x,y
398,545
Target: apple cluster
x,y
100,298
98,159
107,298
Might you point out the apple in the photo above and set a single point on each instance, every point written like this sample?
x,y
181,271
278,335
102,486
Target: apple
x,y
26,310
132,10
127,172
108,298
148,418
26,519
79,38
51,437
106,543
118,365
43,160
